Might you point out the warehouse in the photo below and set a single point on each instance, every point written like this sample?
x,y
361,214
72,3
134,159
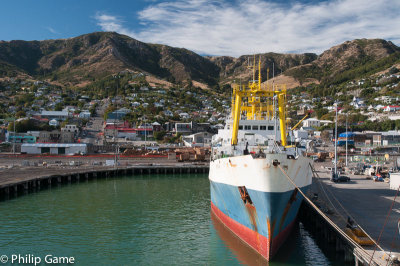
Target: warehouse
x,y
54,148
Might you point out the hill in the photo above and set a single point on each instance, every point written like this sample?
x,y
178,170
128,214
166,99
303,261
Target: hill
x,y
91,57
347,61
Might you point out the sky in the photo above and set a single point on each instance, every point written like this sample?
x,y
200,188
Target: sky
x,y
208,27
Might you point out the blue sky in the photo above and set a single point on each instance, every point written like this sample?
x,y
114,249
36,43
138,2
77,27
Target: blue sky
x,y
213,27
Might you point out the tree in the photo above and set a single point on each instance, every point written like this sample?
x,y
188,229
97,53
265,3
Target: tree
x,y
20,114
320,112
159,135
109,109
59,106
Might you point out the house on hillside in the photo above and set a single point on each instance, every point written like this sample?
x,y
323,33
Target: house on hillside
x,y
391,108
311,122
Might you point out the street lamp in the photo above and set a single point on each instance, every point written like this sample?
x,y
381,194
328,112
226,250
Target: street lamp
x,y
347,137
336,120
13,148
115,129
145,133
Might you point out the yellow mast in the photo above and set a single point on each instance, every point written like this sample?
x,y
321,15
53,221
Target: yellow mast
x,y
254,93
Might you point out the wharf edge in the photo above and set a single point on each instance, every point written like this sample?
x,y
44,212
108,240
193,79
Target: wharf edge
x,y
36,182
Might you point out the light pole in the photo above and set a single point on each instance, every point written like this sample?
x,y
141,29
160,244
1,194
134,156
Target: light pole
x,y
145,133
336,120
115,129
347,137
14,138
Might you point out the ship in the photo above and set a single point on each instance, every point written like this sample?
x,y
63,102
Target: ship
x,y
256,168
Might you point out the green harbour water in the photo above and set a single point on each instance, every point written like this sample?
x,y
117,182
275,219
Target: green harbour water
x,y
136,220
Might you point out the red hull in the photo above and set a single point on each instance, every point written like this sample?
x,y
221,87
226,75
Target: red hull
x,y
258,242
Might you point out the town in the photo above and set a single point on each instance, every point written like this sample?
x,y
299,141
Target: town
x,y
128,112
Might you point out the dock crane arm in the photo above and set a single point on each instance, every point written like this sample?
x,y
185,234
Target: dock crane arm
x,y
295,126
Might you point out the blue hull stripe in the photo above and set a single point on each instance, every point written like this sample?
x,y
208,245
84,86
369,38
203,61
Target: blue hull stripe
x,y
279,208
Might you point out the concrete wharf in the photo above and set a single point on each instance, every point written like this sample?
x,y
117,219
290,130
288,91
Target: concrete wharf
x,y
368,203
29,179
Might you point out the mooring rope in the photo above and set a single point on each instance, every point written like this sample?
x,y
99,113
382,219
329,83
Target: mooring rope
x,y
346,212
386,219
394,237
325,216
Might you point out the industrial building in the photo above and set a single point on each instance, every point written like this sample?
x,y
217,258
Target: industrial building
x,y
54,148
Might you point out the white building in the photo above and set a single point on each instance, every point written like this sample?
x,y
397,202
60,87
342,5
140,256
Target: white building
x,y
84,114
201,139
311,122
58,115
391,108
54,148
300,135
70,128
53,122
357,103
184,115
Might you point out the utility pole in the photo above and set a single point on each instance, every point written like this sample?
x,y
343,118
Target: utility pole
x,y
14,138
347,137
336,120
115,129
145,134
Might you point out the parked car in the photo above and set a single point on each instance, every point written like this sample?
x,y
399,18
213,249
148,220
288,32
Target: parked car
x,y
339,178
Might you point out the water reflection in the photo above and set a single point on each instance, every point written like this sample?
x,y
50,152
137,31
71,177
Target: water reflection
x,y
299,249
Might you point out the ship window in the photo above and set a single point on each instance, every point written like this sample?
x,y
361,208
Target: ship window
x,y
247,127
245,195
270,127
263,127
240,127
255,127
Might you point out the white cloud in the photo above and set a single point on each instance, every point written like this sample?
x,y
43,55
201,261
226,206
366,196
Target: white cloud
x,y
252,26
52,30
112,23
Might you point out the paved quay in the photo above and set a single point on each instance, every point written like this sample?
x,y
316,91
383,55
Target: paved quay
x,y
14,172
367,202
